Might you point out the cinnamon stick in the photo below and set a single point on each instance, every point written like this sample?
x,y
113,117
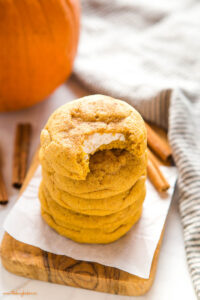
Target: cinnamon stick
x,y
155,175
20,155
3,191
157,144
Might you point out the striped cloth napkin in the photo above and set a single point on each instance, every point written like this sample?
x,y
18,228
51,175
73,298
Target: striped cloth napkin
x,y
147,53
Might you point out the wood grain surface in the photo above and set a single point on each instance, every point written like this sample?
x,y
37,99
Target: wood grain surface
x,y
32,262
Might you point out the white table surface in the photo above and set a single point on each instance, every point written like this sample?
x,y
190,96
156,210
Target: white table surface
x,y
172,280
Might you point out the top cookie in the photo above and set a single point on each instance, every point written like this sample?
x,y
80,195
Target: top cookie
x,y
79,128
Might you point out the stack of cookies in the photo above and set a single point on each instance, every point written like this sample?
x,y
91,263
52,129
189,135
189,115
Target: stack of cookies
x,y
93,157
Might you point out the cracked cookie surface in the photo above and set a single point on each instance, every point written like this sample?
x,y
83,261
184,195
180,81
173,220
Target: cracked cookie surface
x,y
63,138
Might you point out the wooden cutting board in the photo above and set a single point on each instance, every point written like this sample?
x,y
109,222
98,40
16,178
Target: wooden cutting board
x,y
32,262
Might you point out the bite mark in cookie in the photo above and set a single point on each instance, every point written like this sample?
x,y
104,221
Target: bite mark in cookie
x,y
89,124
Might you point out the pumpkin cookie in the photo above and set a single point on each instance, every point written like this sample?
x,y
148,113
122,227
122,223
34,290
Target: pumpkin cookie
x,y
111,172
98,207
74,220
87,235
93,157
90,236
78,129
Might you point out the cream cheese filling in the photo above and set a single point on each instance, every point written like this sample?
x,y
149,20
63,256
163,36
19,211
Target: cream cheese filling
x,y
96,140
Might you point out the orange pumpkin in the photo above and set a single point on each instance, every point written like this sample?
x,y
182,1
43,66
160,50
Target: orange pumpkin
x,y
38,43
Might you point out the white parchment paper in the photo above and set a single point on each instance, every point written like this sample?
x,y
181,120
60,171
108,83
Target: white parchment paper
x,y
132,253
